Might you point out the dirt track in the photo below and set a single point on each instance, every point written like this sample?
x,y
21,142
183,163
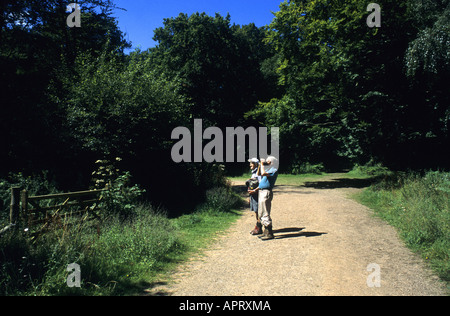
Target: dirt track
x,y
323,246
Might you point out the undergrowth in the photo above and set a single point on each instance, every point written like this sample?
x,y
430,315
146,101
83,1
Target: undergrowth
x,y
120,255
418,206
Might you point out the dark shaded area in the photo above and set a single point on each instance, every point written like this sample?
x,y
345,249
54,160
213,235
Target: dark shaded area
x,y
288,230
342,183
285,189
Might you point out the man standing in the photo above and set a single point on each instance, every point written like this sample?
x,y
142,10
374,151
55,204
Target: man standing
x,y
269,175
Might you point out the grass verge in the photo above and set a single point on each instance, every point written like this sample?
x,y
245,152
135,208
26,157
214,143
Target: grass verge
x,y
418,206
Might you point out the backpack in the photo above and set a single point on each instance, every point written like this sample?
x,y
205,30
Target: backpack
x,y
252,183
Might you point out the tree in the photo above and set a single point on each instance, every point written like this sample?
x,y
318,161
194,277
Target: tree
x,y
428,68
347,92
317,41
219,65
37,54
124,109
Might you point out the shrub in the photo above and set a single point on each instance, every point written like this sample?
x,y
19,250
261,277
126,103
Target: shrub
x,y
304,168
122,196
371,169
221,199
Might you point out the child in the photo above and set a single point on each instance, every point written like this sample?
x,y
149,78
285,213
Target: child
x,y
252,184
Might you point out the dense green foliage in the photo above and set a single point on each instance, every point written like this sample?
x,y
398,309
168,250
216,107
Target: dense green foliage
x,y
219,65
358,93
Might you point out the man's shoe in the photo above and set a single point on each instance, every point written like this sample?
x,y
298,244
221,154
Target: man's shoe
x,y
268,233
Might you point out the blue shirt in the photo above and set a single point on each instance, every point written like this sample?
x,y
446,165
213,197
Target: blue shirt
x,y
268,182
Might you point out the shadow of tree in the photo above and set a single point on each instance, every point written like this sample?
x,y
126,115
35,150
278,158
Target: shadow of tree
x,y
151,291
341,183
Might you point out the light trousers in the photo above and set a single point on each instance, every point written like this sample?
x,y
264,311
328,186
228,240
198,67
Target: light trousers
x,y
265,206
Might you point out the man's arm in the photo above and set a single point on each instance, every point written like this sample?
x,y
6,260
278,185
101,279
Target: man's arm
x,y
263,170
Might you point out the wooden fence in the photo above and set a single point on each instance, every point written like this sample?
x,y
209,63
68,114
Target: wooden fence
x,y
26,211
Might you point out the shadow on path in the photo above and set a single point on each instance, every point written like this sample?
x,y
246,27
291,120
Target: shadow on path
x,y
293,232
340,183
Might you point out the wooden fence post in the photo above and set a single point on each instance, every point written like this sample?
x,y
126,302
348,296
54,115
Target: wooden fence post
x,y
14,206
13,211
24,205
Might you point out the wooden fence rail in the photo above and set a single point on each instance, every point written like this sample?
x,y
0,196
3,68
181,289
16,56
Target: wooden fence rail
x,y
28,210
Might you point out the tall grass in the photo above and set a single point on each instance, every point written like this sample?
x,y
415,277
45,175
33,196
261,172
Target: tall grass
x,y
418,205
120,256
113,256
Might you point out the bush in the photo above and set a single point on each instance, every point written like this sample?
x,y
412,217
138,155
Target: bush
x,y
307,168
371,169
221,199
122,196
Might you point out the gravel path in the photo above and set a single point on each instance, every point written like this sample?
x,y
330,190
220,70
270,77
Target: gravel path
x,y
324,244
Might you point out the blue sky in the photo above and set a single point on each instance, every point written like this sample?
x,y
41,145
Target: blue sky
x,y
144,16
